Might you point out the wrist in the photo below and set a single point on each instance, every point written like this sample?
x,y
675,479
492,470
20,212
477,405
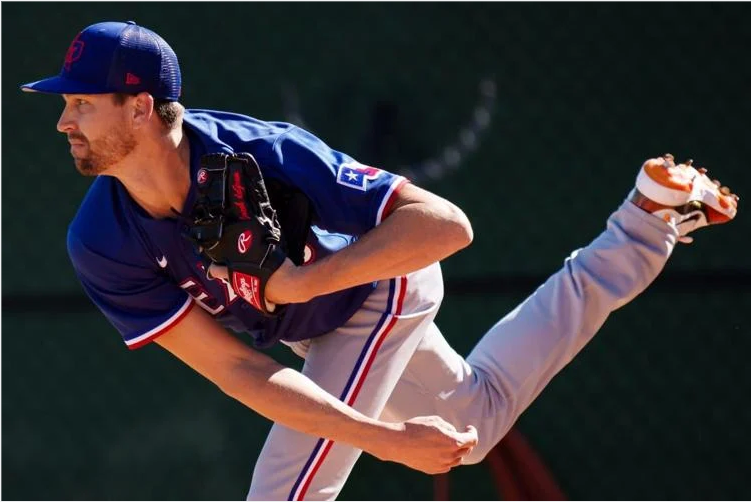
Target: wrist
x,y
381,439
305,281
289,284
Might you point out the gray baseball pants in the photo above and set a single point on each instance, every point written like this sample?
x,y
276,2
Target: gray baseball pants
x,y
391,361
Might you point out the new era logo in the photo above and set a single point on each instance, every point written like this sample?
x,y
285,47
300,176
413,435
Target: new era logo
x,y
131,79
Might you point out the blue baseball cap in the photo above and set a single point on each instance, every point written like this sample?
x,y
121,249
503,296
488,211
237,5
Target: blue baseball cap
x,y
116,57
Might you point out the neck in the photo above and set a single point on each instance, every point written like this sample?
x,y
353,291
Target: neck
x,y
157,173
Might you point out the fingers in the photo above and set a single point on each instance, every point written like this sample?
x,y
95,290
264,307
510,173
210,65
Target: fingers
x,y
468,438
459,456
218,272
445,447
442,424
455,463
466,441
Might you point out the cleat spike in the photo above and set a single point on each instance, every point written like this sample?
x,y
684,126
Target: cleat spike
x,y
685,197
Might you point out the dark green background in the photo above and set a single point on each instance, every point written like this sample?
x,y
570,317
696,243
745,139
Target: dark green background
x,y
654,408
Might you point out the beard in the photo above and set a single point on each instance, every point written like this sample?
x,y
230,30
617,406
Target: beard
x,y
103,153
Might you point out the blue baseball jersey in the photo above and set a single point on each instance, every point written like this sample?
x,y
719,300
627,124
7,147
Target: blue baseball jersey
x,y
144,276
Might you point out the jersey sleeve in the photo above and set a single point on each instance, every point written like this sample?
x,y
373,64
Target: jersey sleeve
x,y
138,301
348,197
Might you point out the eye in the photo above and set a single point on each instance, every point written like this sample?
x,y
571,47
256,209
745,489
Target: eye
x,y
80,102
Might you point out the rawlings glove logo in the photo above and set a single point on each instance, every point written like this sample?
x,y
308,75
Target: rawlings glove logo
x,y
248,288
233,223
244,240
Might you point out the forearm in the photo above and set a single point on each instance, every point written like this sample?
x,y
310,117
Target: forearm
x,y
412,237
288,397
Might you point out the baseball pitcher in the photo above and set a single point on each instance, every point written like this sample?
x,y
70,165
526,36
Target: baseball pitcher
x,y
201,223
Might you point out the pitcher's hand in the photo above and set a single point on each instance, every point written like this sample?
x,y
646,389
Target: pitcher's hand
x,y
284,285
430,445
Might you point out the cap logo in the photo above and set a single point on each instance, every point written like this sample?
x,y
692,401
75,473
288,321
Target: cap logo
x,y
131,79
74,52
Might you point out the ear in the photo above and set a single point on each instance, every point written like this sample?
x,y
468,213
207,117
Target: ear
x,y
142,109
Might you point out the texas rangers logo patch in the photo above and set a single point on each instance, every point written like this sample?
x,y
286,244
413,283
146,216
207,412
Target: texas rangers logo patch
x,y
356,175
74,52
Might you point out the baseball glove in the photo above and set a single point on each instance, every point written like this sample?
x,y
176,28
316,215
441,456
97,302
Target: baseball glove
x,y
232,223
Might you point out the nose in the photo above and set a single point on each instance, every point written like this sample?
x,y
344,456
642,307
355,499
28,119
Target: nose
x,y
65,123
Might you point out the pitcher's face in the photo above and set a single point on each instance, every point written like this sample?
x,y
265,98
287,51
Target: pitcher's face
x,y
99,134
